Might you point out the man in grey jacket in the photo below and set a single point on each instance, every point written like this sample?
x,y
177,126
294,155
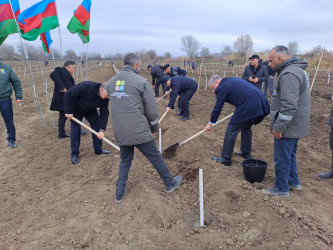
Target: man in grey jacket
x,y
134,116
290,117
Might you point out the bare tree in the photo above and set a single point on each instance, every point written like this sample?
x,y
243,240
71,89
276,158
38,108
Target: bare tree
x,y
7,52
94,56
314,51
70,54
151,54
243,44
205,52
293,48
190,45
167,55
227,50
118,57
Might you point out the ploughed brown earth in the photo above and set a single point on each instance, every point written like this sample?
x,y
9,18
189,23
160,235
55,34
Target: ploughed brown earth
x,y
48,203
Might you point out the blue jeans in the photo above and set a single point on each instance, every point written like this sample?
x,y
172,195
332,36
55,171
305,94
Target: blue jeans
x,y
150,151
231,136
6,109
269,84
285,163
93,119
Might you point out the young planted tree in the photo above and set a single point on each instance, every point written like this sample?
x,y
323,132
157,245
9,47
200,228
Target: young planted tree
x,y
190,45
293,48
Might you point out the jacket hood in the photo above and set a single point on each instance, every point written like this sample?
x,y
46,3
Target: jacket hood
x,y
129,68
291,61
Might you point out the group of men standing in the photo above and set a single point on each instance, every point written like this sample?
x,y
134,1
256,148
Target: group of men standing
x,y
134,113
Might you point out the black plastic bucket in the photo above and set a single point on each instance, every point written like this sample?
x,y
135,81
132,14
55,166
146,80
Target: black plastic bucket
x,y
254,170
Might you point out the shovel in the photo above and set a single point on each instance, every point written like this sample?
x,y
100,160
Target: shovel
x,y
172,149
94,132
160,120
166,93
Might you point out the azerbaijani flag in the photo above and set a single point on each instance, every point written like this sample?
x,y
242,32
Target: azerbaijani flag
x,y
37,19
46,41
7,20
80,21
16,7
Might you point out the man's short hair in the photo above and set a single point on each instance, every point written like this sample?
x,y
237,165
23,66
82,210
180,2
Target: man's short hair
x,y
149,66
212,80
69,62
131,59
103,85
280,49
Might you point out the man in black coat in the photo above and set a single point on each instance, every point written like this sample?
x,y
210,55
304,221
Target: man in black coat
x,y
82,100
255,73
63,80
156,73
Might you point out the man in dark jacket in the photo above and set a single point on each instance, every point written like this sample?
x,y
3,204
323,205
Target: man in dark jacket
x,y
329,174
290,117
82,100
156,74
255,73
185,87
9,79
251,108
174,71
63,81
135,118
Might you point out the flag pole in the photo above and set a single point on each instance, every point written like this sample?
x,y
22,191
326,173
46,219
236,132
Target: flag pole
x,y
62,57
87,68
25,51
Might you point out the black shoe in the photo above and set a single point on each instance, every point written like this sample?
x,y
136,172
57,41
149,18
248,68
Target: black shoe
x,y
75,160
62,136
104,152
83,132
245,156
222,160
185,118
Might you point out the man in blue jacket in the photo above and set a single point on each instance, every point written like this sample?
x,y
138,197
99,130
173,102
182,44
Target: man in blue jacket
x,y
174,71
255,73
251,108
185,87
156,74
8,78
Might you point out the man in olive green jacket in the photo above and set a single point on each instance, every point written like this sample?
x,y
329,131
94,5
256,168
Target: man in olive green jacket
x,y
134,116
9,79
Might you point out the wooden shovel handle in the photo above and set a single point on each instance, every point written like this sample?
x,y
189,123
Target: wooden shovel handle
x,y
199,133
160,120
94,132
166,93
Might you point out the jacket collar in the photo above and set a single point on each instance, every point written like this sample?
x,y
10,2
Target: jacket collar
x,y
129,68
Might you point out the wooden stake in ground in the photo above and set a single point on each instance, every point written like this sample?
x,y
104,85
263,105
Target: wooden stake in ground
x,y
314,77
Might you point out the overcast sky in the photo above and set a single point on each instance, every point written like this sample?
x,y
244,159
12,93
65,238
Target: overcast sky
x,y
131,25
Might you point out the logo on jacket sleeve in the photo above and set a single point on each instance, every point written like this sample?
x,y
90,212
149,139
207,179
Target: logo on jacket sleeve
x,y
2,71
120,86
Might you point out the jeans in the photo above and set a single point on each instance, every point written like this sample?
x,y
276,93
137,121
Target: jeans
x,y
93,119
6,109
231,136
157,87
185,101
150,151
270,85
285,163
61,123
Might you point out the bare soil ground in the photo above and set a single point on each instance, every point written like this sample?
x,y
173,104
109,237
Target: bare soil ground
x,y
48,203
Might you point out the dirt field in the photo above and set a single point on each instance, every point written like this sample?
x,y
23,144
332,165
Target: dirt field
x,y
48,203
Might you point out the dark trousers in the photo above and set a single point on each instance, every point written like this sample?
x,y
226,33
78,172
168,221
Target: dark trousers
x,y
6,109
231,136
150,151
93,119
61,123
185,99
157,87
258,85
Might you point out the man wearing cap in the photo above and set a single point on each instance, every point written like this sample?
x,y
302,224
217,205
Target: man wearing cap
x,y
185,87
255,73
156,73
174,71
